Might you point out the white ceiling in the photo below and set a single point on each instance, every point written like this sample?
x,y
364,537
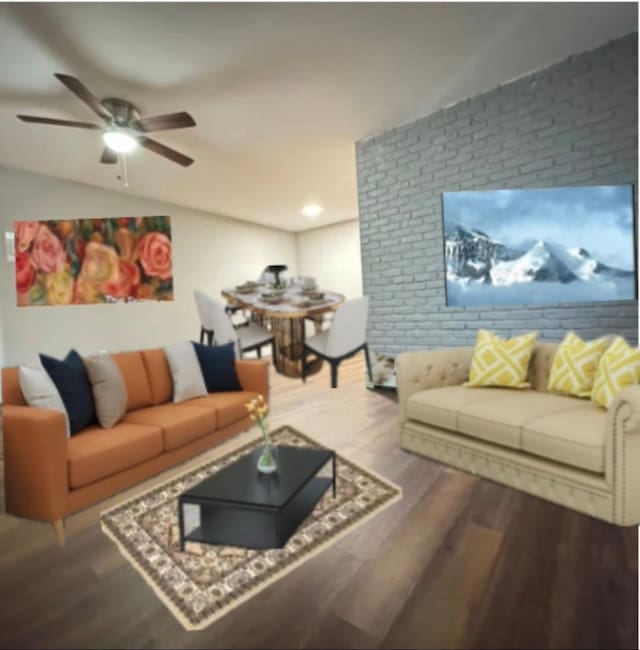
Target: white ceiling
x,y
280,92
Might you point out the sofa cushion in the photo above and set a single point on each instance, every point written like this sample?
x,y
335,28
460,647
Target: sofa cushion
x,y
71,380
230,407
109,390
574,437
180,423
501,420
618,369
501,362
440,406
218,366
96,453
540,365
188,382
575,365
39,390
159,375
134,373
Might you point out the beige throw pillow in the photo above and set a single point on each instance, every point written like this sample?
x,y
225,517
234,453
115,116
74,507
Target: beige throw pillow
x,y
109,390
38,388
188,381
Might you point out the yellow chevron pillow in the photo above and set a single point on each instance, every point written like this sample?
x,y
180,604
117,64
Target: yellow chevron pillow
x,y
500,362
574,365
619,368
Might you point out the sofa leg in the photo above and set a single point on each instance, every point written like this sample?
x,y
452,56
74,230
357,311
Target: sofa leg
x,y
58,524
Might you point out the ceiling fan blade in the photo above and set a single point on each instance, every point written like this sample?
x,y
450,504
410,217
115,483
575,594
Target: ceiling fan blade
x,y
108,157
164,122
165,151
83,93
49,120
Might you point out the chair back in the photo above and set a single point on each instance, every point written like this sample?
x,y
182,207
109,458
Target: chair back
x,y
348,329
213,317
203,305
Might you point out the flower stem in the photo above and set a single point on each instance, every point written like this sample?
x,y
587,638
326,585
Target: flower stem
x,y
265,433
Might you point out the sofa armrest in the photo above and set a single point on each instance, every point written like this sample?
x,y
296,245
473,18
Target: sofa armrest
x,y
35,462
416,371
254,375
623,457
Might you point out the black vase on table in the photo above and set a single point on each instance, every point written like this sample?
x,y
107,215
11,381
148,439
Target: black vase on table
x,y
277,269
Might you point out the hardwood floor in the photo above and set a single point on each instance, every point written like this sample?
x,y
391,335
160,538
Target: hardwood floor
x,y
457,563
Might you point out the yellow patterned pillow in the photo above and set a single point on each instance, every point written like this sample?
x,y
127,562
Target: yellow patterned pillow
x,y
574,365
619,368
500,362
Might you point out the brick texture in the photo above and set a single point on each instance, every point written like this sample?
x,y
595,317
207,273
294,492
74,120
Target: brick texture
x,y
573,123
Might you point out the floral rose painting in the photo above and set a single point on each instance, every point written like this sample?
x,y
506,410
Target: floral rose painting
x,y
87,261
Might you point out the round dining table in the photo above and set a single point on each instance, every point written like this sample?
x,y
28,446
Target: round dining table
x,y
286,320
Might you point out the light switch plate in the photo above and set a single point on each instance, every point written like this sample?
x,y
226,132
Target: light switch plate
x,y
9,246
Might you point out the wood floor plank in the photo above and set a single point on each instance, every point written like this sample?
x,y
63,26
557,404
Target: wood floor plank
x,y
438,612
332,631
377,593
458,562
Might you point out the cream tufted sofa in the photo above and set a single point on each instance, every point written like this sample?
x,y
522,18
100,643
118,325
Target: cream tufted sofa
x,y
563,449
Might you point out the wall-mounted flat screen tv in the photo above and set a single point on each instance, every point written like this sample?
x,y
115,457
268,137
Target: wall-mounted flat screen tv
x,y
539,246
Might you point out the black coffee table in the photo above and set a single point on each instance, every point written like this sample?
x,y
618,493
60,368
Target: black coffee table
x,y
241,507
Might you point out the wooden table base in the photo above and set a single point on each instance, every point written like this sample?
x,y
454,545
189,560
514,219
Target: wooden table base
x,y
289,339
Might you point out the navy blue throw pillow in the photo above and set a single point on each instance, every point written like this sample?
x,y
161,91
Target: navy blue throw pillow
x,y
218,365
72,382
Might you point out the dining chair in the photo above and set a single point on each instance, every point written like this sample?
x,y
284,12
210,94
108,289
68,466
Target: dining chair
x,y
233,310
216,325
346,336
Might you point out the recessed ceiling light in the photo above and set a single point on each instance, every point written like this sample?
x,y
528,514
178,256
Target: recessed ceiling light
x,y
119,141
312,210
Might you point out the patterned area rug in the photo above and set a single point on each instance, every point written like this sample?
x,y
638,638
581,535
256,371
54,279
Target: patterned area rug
x,y
204,582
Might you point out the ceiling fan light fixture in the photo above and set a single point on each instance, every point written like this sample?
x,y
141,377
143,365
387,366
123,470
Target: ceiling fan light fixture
x,y
119,141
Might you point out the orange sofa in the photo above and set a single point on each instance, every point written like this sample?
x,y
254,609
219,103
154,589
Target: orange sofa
x,y
49,476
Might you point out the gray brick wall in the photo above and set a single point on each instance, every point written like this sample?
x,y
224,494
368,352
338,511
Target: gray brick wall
x,y
573,123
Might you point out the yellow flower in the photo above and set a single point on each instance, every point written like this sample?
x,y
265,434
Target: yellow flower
x,y
59,287
258,409
100,266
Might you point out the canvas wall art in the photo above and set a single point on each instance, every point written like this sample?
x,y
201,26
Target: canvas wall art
x,y
89,261
539,246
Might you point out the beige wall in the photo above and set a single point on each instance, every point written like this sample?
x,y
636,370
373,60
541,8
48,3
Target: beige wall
x,y
331,254
210,252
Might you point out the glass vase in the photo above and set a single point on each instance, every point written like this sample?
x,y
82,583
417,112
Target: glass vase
x,y
267,460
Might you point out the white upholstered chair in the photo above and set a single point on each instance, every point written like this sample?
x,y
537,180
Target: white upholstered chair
x,y
346,336
216,325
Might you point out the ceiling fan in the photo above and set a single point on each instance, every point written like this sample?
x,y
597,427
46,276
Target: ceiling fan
x,y
124,127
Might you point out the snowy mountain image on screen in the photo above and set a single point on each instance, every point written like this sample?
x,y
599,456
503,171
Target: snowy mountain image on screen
x,y
482,270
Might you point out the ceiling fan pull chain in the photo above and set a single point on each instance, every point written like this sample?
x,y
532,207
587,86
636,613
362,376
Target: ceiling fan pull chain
x,y
125,171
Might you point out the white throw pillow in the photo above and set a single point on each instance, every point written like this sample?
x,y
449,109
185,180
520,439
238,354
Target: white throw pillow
x,y
188,381
39,390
